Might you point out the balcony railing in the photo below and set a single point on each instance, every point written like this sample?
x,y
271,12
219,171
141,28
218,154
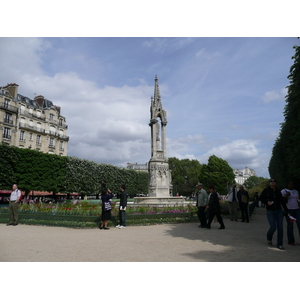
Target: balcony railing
x,y
7,136
8,121
30,115
8,107
33,128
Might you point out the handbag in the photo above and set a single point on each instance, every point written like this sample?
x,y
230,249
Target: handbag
x,y
107,206
244,199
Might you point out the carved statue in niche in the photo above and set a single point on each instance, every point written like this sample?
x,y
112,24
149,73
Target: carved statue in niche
x,y
157,136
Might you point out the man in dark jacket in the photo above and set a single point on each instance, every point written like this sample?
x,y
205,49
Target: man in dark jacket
x,y
214,207
122,208
243,197
272,198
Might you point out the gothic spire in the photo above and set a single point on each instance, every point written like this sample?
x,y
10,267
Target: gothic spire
x,y
156,90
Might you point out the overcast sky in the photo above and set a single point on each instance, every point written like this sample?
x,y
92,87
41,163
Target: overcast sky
x,y
223,96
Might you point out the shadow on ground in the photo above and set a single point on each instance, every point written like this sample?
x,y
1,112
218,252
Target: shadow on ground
x,y
240,242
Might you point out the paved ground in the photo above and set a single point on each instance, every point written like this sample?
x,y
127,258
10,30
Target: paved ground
x,y
239,242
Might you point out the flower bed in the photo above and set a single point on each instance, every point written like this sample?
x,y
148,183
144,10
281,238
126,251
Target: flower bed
x,y
87,215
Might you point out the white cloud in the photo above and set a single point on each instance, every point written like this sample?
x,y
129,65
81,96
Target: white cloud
x,y
108,125
278,95
239,154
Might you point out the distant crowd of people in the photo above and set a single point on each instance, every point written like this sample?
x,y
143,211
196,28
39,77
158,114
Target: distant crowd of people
x,y
279,205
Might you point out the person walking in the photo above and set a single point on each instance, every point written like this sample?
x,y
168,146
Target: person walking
x,y
214,207
106,197
292,198
122,208
243,197
232,201
272,198
202,199
13,206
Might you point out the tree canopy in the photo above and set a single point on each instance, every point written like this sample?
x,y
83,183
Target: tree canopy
x,y
252,181
187,173
285,160
217,172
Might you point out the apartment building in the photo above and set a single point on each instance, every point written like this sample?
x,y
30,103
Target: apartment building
x,y
242,175
35,124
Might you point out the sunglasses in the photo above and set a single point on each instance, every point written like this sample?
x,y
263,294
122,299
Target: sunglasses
x,y
272,180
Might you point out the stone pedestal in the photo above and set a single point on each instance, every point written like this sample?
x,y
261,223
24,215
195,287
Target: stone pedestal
x,y
160,200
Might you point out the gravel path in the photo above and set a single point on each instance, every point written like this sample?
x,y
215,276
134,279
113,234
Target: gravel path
x,y
239,242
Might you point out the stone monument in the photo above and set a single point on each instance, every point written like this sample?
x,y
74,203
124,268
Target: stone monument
x,y
159,182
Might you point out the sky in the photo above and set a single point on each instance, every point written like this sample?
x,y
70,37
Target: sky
x,y
223,96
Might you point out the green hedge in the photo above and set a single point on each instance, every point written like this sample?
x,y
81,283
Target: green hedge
x,y
79,221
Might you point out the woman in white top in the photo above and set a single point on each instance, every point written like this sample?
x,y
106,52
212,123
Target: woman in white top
x,y
292,197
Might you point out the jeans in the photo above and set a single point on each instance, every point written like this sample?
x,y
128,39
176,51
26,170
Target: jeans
x,y
122,217
275,218
290,225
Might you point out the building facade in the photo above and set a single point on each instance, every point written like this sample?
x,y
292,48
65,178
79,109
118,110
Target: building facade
x,y
34,124
242,175
138,167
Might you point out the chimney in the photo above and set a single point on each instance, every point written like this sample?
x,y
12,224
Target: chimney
x,y
40,100
13,89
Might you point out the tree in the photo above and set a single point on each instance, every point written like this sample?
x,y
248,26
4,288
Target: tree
x,y
217,172
285,161
252,181
185,175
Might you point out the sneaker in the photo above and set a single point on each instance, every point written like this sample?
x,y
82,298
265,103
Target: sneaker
x,y
292,244
118,226
121,227
9,224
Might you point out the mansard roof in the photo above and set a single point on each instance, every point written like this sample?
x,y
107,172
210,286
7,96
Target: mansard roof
x,y
46,103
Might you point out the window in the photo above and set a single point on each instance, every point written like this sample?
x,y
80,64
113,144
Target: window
x,y
6,103
8,118
60,122
31,136
6,133
61,145
51,143
38,140
22,135
51,117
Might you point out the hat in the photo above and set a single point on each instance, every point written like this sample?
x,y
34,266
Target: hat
x,y
199,183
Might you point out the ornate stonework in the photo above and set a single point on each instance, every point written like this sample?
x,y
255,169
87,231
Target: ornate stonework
x,y
159,173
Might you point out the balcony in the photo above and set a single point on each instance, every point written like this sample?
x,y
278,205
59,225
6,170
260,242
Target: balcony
x,y
63,137
8,121
8,107
6,136
33,128
30,115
